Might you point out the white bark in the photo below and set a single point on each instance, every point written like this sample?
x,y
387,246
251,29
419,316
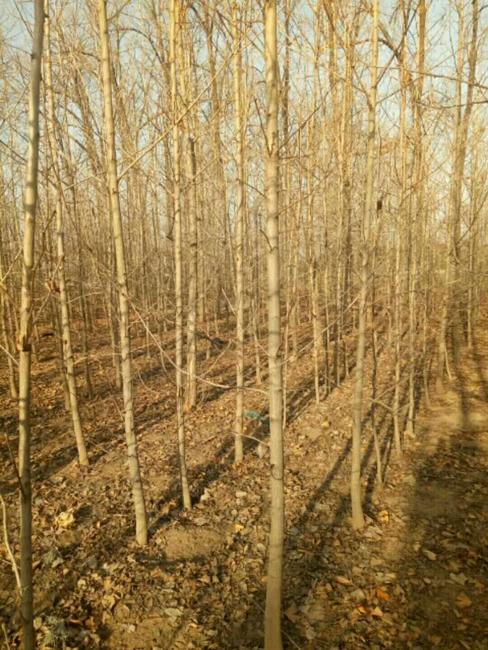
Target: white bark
x,y
275,552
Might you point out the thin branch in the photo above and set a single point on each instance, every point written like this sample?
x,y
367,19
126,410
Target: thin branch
x,y
7,544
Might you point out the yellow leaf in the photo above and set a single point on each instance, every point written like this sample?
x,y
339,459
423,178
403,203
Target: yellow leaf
x,y
435,639
384,516
463,601
429,554
108,601
382,594
65,519
90,623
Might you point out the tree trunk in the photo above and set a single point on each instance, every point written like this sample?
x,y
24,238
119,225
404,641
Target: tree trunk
x,y
453,298
191,341
7,335
417,220
356,497
63,294
174,43
126,366
239,245
275,553
25,332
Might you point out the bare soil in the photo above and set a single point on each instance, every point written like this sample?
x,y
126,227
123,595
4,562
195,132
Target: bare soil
x,y
415,577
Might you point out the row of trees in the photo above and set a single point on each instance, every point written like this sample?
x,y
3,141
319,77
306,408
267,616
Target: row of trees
x,y
199,169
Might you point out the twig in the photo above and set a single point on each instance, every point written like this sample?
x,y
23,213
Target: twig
x,y
4,629
12,459
185,372
7,545
12,358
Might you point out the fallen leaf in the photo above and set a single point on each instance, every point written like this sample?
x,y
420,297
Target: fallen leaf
x,y
382,594
459,578
173,612
358,595
435,639
317,611
65,519
292,613
429,554
463,601
108,601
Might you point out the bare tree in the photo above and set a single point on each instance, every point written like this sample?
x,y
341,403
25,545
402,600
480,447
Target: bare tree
x,y
175,54
25,332
277,510
418,216
365,244
452,321
239,247
126,366
63,294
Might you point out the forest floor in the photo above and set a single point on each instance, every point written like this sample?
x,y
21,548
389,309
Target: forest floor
x,y
415,577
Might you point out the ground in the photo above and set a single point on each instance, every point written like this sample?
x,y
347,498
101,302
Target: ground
x,y
415,577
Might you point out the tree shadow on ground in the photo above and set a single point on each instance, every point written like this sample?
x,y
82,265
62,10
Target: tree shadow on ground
x,y
441,563
448,517
323,516
200,478
479,360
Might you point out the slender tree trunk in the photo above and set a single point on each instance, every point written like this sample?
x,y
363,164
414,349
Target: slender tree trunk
x,y
126,366
275,553
374,388
225,261
7,335
191,340
184,63
345,147
397,437
81,275
112,318
63,294
401,220
451,320
313,252
475,210
239,245
25,332
174,45
54,306
417,219
255,307
457,302
356,497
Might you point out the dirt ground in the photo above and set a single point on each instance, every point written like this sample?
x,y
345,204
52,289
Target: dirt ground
x,y
415,577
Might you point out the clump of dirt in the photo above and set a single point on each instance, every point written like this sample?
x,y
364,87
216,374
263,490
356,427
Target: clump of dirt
x,y
189,543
